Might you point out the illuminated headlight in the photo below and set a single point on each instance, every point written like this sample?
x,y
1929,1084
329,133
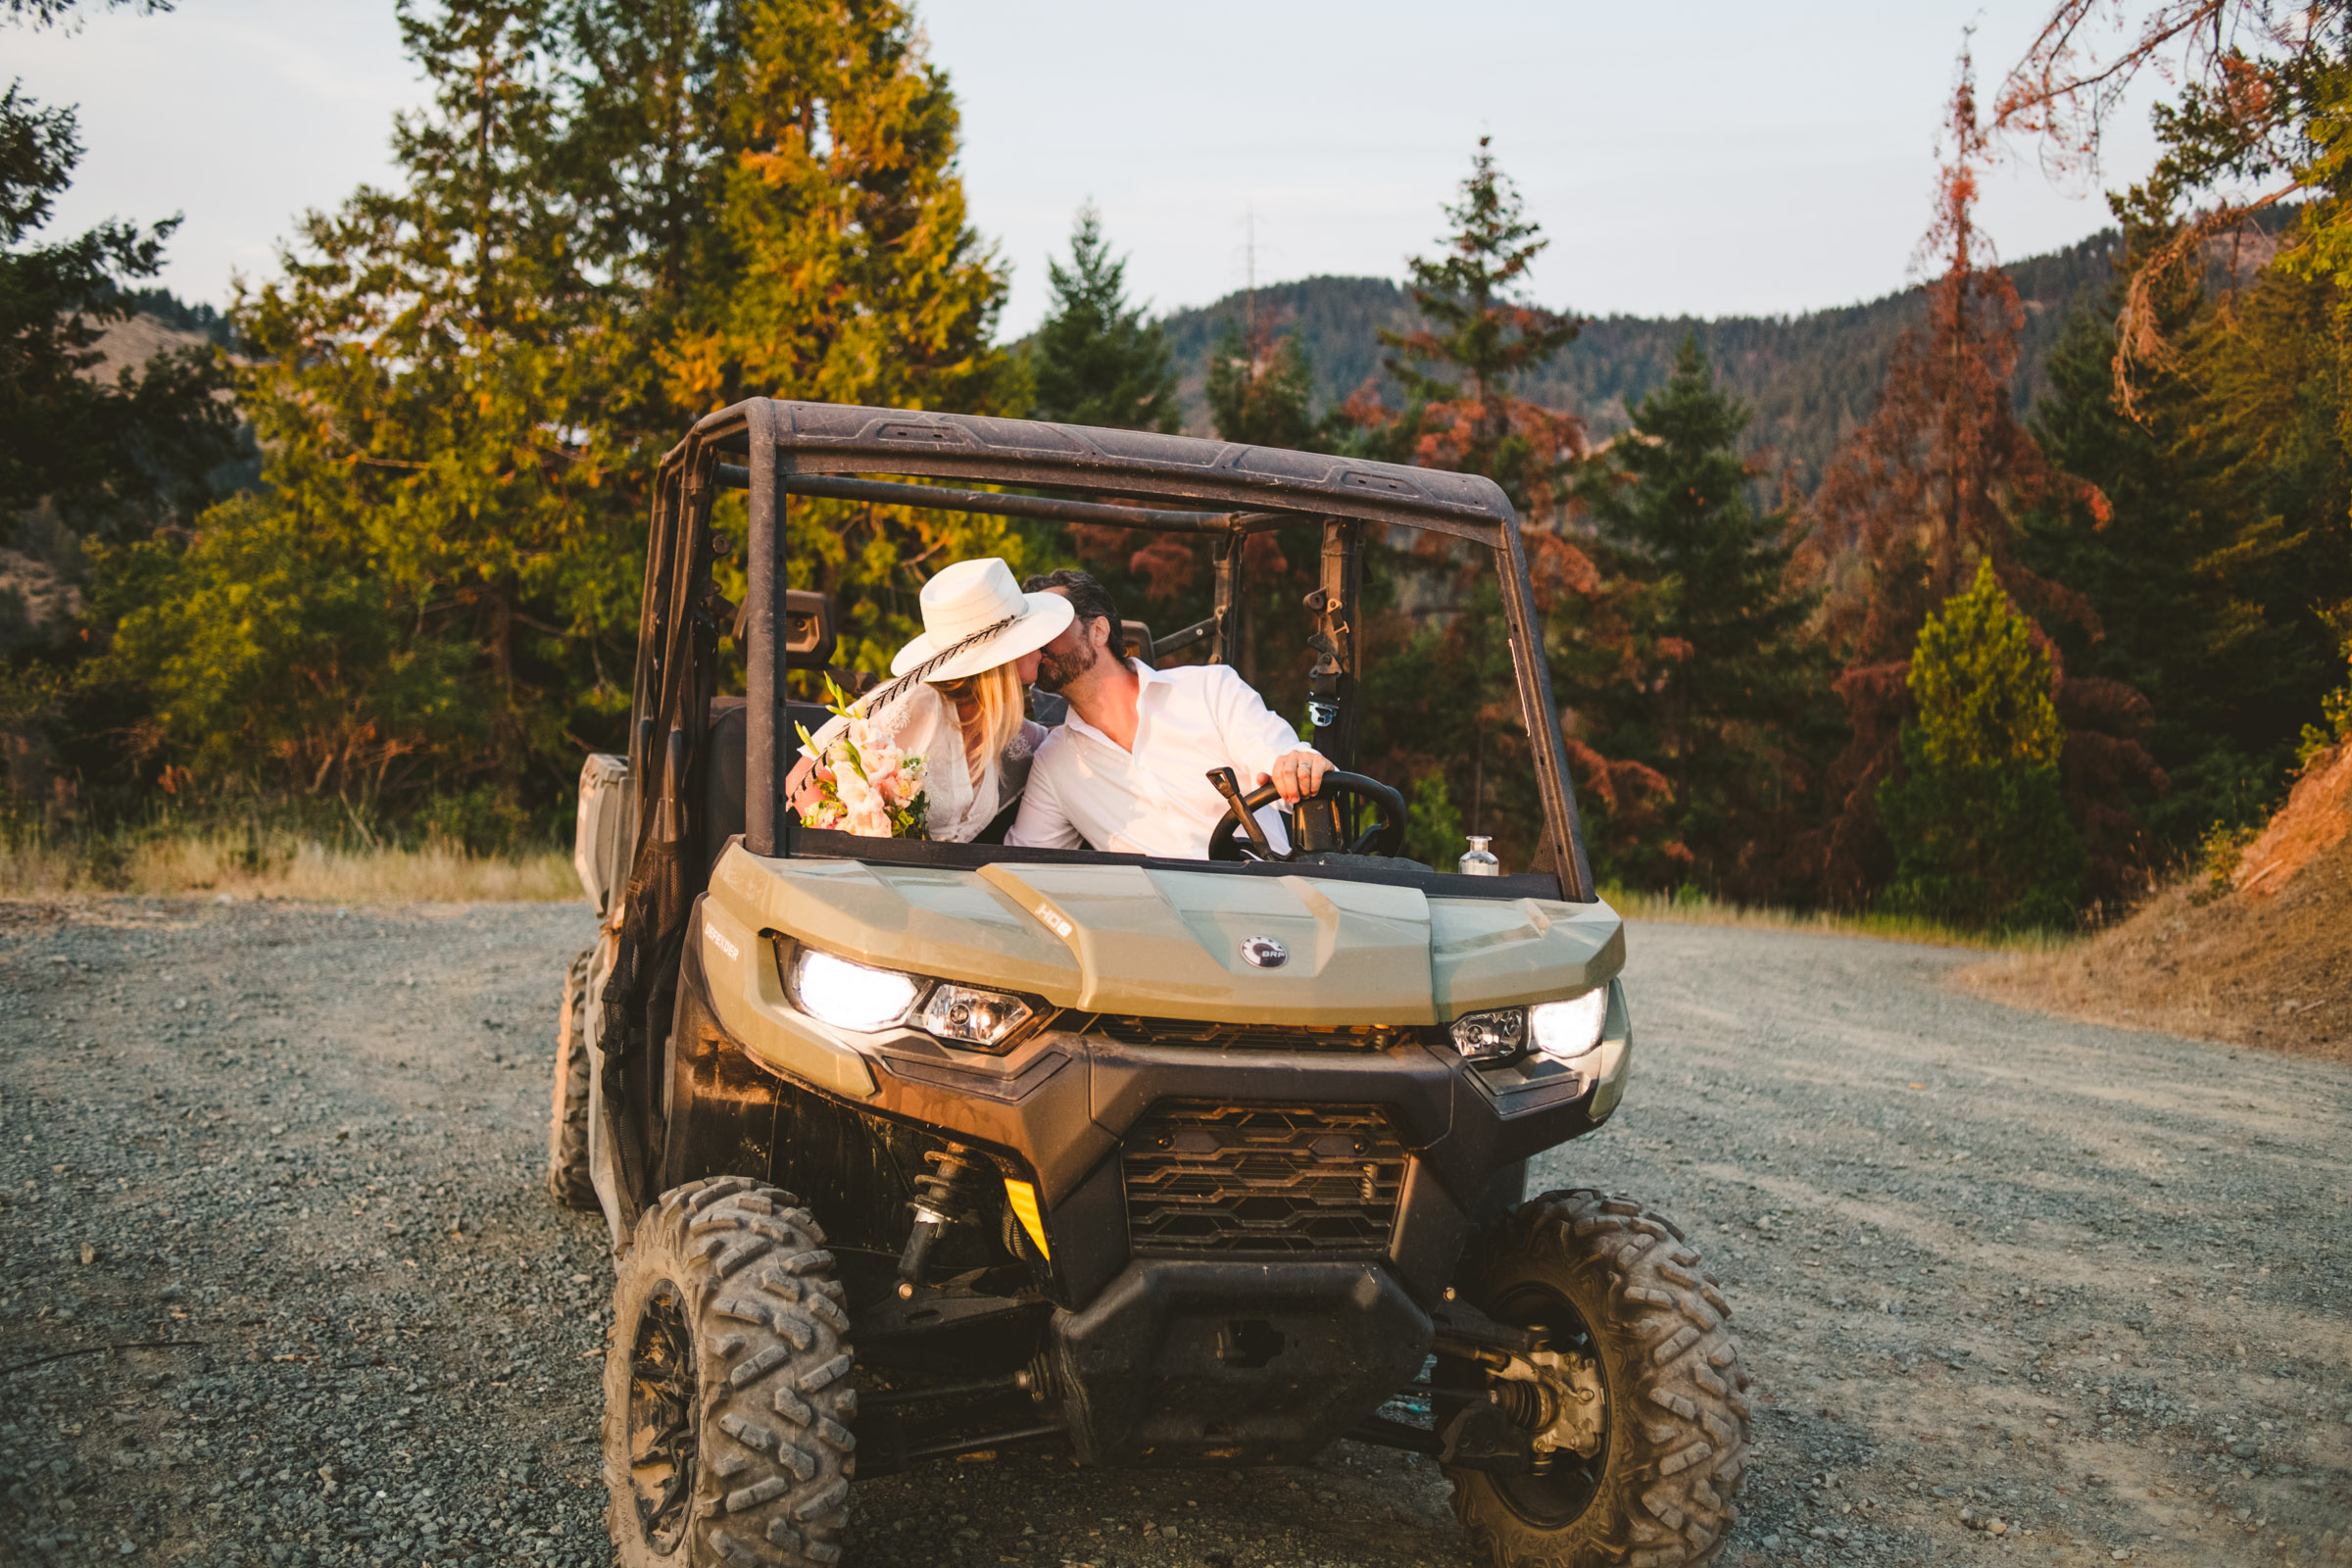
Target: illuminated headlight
x,y
965,1016
1570,1029
1486,1036
851,996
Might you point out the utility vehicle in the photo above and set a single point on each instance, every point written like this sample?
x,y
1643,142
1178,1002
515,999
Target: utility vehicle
x,y
915,1150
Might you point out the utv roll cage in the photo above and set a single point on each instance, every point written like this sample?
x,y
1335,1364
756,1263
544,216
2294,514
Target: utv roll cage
x,y
776,450
824,450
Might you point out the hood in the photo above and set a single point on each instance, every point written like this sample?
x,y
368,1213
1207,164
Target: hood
x,y
1170,943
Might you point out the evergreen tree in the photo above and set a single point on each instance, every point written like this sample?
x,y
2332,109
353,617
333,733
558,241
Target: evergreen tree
x,y
416,386
2222,569
610,221
1439,693
270,652
112,460
1262,389
1937,482
856,277
1979,818
1096,360
642,157
1724,705
1459,375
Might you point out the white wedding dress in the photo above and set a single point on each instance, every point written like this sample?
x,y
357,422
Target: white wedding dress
x,y
922,724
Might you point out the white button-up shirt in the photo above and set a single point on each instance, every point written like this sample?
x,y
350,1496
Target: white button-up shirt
x,y
1087,789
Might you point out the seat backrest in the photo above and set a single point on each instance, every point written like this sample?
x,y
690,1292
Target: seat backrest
x,y
723,792
606,829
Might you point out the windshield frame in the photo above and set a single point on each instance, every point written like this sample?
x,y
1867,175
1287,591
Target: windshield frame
x,y
814,449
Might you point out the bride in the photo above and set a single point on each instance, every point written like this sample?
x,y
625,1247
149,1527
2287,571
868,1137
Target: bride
x,y
956,703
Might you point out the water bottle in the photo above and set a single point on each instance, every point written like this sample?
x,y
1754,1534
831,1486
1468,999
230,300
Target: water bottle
x,y
1478,859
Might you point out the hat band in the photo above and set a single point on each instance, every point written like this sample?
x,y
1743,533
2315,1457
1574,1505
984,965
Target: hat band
x,y
898,688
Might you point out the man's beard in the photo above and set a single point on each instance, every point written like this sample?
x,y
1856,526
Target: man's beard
x,y
1056,671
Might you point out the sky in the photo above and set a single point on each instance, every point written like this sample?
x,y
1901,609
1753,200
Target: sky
x,y
1705,159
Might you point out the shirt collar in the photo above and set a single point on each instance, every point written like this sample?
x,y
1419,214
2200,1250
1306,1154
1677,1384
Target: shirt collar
x,y
1147,677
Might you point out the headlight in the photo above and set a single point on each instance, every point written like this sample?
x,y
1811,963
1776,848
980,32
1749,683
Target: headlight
x,y
1568,1029
851,996
1485,1036
967,1016
867,999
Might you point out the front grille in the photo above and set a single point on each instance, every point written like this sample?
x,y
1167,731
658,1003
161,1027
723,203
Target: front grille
x,y
1201,1034
1261,1180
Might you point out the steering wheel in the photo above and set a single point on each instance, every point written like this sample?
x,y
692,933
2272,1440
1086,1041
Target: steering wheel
x,y
1315,822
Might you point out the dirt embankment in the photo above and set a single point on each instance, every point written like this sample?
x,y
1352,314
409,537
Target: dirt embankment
x,y
2265,962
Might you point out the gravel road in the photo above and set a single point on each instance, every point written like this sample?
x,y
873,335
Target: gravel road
x,y
2012,1288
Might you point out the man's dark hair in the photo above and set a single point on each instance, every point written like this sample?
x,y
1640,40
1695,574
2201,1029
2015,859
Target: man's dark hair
x,y
1088,597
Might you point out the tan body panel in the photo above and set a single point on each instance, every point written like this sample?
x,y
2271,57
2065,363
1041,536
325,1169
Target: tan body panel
x,y
933,920
1167,943
1493,952
747,992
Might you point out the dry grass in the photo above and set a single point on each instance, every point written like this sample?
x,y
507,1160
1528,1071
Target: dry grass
x,y
2260,958
281,866
2274,971
1697,910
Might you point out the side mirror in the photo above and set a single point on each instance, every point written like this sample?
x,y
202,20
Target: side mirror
x,y
807,628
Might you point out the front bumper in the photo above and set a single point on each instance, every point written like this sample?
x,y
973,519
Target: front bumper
x,y
1227,1362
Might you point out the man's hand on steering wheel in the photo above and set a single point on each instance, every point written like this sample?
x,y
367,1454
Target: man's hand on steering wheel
x,y
1296,774
1237,835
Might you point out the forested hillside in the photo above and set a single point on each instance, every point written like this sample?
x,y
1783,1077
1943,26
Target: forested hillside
x,y
1810,379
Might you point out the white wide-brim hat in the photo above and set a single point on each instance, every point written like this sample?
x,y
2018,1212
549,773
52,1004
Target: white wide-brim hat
x,y
976,615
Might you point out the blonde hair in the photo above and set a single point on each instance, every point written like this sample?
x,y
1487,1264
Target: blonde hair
x,y
997,691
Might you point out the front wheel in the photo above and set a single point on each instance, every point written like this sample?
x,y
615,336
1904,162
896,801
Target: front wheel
x,y
727,1389
1623,1299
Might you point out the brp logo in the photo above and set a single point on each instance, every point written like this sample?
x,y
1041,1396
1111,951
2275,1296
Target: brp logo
x,y
1264,952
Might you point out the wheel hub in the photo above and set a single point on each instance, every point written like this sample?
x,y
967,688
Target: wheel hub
x,y
1567,1409
661,1425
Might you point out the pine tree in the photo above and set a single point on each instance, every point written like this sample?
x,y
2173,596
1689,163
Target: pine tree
x,y
111,460
855,277
1725,704
1096,360
610,221
1261,388
1937,482
643,158
416,384
1978,818
1459,374
1438,694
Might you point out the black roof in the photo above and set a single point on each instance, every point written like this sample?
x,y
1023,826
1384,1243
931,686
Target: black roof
x,y
841,438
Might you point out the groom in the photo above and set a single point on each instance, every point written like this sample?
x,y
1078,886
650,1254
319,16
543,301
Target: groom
x,y
1127,773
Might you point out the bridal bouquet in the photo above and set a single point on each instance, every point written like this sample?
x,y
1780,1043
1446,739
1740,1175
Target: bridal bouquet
x,y
861,782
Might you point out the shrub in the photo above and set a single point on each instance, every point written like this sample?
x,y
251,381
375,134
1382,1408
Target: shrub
x,y
1978,818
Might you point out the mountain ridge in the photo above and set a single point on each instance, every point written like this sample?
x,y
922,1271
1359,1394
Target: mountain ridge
x,y
1810,379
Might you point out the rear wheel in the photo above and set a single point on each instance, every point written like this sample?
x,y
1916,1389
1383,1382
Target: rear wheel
x,y
568,1178
1614,1285
727,1391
